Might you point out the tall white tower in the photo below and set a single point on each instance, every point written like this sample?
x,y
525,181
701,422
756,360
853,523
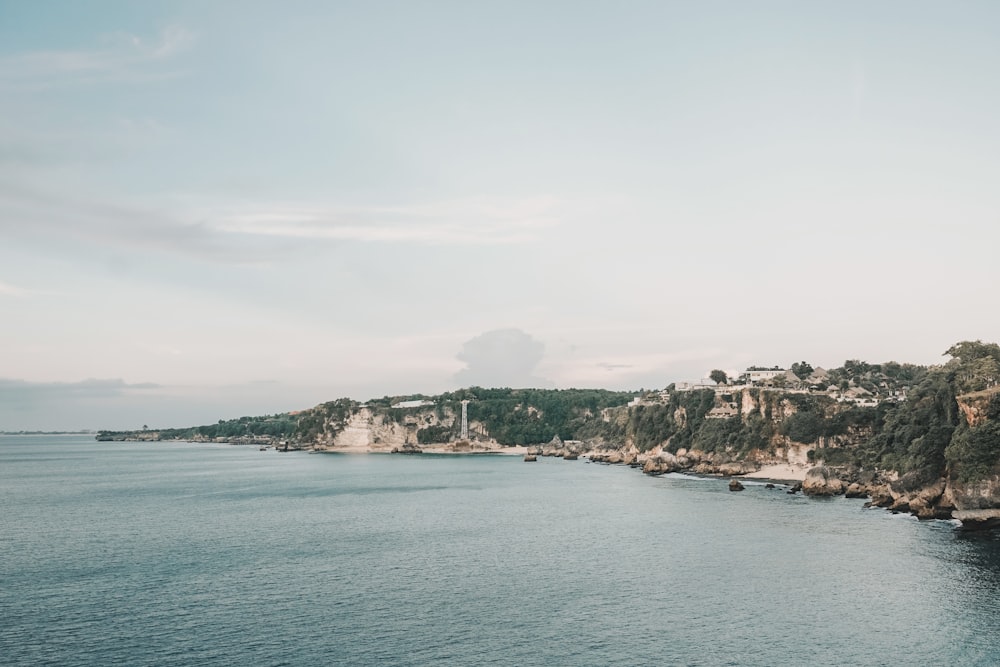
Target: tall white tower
x,y
465,420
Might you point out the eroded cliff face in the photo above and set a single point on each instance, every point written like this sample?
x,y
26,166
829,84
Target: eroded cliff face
x,y
977,502
980,495
665,457
366,429
975,407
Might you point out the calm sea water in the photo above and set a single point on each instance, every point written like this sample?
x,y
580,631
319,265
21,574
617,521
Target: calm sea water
x,y
183,554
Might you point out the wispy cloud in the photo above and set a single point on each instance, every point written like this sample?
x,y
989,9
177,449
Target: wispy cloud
x,y
464,221
635,369
259,235
26,210
19,292
122,58
6,289
21,391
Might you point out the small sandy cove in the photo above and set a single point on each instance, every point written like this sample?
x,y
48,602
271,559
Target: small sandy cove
x,y
428,449
779,472
782,472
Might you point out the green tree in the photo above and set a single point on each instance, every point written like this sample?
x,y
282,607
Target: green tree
x,y
976,365
802,370
969,351
718,377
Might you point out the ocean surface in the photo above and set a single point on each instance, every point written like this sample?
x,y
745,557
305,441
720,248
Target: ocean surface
x,y
193,554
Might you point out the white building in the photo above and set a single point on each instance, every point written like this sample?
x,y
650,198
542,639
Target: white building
x,y
412,404
704,383
762,375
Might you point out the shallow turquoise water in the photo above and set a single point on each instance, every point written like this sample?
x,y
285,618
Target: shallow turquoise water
x,y
182,554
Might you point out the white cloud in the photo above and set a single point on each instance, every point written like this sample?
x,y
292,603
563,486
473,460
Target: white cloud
x,y
631,370
6,289
249,237
124,58
462,221
18,292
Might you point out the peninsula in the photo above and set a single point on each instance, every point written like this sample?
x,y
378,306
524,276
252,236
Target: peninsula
x,y
919,439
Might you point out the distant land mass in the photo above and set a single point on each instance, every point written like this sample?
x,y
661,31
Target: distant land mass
x,y
83,432
919,439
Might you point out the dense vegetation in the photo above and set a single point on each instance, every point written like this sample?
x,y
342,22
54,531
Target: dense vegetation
x,y
273,426
532,416
684,422
925,434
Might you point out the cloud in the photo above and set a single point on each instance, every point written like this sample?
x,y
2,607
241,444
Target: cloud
x,y
29,211
116,404
637,368
463,221
613,367
18,292
501,358
260,236
22,392
124,58
6,289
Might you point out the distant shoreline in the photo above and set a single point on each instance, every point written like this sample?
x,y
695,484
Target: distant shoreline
x,y
48,432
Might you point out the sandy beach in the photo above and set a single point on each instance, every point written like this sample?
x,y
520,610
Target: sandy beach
x,y
784,472
429,449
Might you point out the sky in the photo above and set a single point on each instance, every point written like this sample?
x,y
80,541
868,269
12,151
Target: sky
x,y
216,209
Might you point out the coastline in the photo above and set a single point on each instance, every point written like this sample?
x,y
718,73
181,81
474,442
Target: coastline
x,y
926,500
779,472
514,450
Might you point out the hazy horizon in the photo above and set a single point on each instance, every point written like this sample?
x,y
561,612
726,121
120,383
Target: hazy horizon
x,y
212,210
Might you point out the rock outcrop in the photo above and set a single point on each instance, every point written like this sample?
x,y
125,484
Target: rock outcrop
x,y
855,490
976,504
975,407
820,481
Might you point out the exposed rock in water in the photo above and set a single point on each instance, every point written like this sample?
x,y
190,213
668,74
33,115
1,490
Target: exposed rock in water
x,y
978,519
570,456
530,457
796,488
553,448
735,468
820,481
927,513
660,465
769,486
900,505
976,504
880,496
734,485
855,490
919,492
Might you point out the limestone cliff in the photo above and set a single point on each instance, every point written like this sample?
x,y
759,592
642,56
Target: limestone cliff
x,y
976,407
365,428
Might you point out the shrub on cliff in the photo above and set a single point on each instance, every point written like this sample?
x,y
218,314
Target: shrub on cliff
x,y
803,427
716,435
974,452
433,434
916,433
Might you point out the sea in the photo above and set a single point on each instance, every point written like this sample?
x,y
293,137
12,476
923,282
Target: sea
x,y
203,554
